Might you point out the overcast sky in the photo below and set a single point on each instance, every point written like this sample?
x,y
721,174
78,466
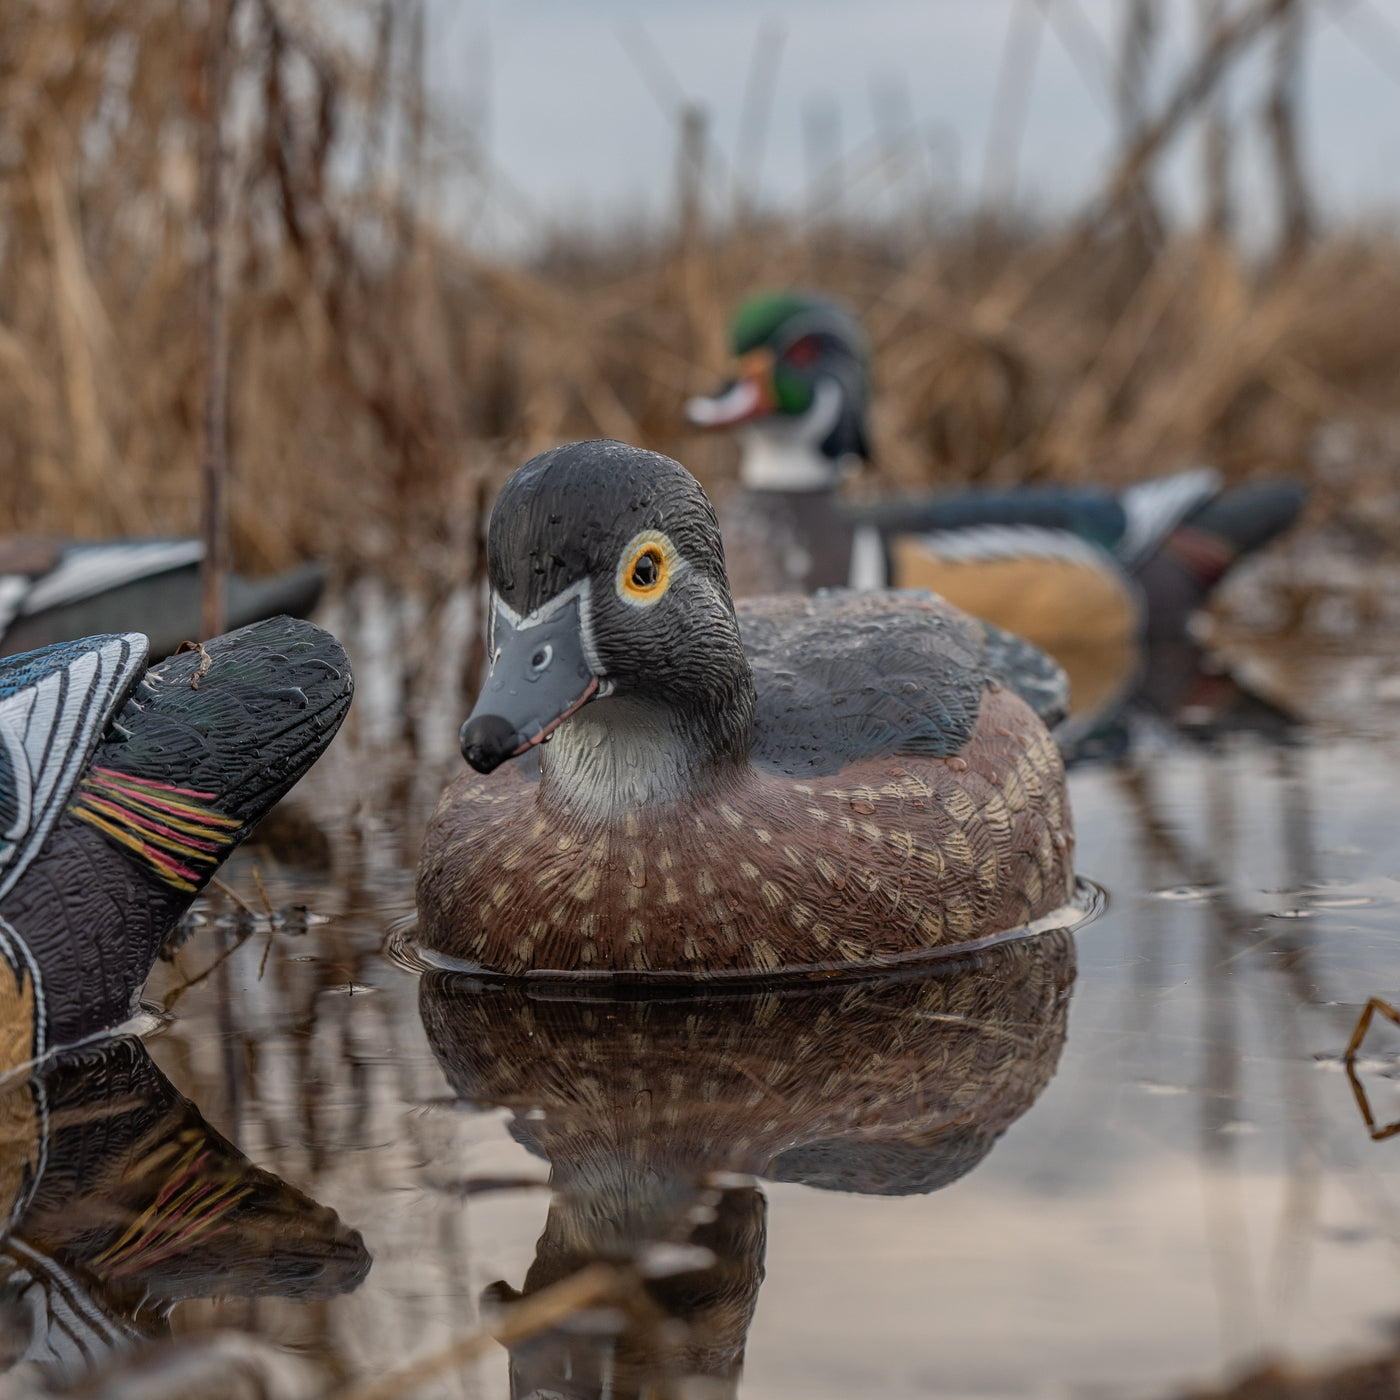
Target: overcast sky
x,y
579,123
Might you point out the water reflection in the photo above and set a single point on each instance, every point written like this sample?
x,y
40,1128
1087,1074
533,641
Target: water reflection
x,y
1194,1185
657,1116
1179,689
122,1201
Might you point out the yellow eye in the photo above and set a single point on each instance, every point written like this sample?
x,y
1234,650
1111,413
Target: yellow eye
x,y
644,572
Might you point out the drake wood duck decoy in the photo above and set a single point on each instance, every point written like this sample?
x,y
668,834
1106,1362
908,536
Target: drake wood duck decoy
x,y
53,590
119,1201
122,790
1086,574
798,782
647,1108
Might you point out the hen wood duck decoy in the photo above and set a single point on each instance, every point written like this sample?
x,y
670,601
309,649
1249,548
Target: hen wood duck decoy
x,y
798,782
122,790
53,590
646,1108
1070,569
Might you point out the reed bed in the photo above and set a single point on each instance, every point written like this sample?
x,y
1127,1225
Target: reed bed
x,y
383,374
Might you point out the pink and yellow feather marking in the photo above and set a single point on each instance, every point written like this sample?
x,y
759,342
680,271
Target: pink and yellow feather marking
x,y
172,829
188,1210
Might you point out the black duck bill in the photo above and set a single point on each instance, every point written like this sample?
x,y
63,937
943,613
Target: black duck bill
x,y
540,674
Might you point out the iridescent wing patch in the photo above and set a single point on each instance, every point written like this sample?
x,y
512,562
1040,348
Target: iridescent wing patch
x,y
173,830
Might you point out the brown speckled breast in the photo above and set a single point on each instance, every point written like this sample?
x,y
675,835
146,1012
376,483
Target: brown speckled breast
x,y
890,856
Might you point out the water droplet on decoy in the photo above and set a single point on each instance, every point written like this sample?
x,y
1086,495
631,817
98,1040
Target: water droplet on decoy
x,y
866,809
958,765
295,694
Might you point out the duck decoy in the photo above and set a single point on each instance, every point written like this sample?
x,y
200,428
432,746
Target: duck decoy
x,y
798,782
122,790
118,1201
54,590
659,1118
1071,569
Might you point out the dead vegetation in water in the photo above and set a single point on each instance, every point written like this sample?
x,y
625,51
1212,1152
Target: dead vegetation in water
x,y
383,374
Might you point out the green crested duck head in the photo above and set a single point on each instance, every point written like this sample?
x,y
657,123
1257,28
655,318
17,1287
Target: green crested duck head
x,y
798,399
609,591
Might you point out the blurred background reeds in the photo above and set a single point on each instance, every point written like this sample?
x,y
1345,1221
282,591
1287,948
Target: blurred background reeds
x,y
384,371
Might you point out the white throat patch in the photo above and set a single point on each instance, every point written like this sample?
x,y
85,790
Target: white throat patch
x,y
784,454
616,755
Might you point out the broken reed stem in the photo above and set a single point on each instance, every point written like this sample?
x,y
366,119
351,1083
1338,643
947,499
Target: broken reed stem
x,y
1216,139
1010,107
215,317
223,956
1295,216
589,1288
1195,87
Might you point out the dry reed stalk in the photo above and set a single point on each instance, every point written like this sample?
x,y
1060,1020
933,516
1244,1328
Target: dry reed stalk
x,y
214,466
591,1287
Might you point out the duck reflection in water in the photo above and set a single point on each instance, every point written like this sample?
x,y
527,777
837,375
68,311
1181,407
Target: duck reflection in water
x,y
659,1117
121,1201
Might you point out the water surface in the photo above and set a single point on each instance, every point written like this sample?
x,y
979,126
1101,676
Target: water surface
x,y
1117,1162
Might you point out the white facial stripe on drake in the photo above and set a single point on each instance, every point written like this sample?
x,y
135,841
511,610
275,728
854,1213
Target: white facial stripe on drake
x,y
740,402
646,568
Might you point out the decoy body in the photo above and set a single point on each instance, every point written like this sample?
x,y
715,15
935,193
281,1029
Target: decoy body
x,y
1067,568
793,783
51,590
122,789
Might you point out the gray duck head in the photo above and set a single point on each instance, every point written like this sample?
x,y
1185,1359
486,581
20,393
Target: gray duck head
x,y
608,585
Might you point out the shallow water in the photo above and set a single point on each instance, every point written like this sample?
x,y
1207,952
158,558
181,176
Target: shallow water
x,y
1116,1162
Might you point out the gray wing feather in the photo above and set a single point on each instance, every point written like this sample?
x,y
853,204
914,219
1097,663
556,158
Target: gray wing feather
x,y
1038,679
842,676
